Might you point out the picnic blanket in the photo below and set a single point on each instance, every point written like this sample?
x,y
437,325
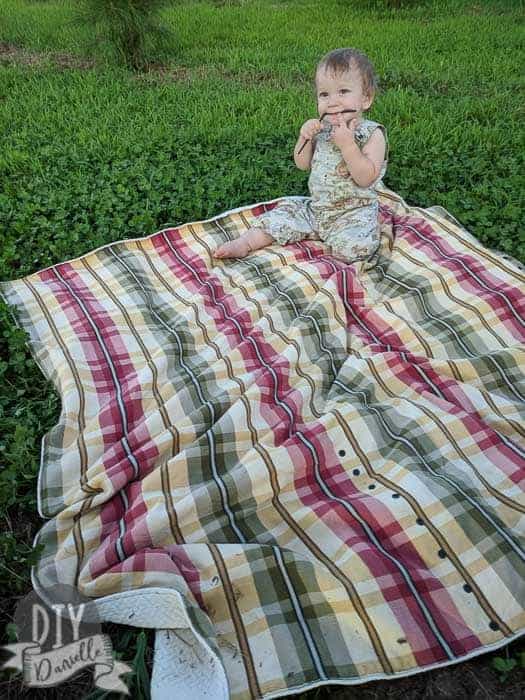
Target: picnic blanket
x,y
298,471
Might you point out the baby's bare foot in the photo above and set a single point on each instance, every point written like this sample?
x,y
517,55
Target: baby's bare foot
x,y
238,248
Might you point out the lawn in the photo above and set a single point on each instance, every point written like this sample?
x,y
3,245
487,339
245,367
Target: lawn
x,y
92,153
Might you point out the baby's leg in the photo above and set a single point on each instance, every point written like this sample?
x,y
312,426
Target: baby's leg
x,y
290,221
353,235
252,239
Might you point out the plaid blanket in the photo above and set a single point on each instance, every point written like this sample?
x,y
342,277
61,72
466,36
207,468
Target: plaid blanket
x,y
316,468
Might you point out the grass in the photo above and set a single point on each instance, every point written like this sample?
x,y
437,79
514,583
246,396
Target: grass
x,y
92,154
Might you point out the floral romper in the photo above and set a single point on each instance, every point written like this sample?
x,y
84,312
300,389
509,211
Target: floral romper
x,y
338,211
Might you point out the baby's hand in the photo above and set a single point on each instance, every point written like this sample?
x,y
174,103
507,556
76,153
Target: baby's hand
x,y
343,132
310,128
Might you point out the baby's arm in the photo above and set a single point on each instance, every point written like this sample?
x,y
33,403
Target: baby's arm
x,y
365,166
303,160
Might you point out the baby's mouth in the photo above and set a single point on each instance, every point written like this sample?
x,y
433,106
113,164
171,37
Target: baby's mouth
x,y
334,114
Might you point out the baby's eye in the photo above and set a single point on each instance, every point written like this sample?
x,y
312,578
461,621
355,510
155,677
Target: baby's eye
x,y
344,90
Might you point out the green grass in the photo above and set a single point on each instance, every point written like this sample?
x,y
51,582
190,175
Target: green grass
x,y
93,155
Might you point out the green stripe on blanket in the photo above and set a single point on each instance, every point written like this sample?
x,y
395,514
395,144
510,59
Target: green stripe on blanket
x,y
326,461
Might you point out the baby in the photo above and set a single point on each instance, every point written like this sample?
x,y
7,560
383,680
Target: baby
x,y
347,157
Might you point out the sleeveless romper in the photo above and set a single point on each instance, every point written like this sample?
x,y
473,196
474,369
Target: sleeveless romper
x,y
338,211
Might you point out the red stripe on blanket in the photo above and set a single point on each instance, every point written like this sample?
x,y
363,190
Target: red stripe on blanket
x,y
392,538
200,281
124,376
84,313
508,302
455,402
368,325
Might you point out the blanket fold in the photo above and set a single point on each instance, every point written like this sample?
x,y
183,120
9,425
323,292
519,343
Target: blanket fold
x,y
298,471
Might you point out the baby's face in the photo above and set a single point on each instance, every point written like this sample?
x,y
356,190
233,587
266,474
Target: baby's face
x,y
336,93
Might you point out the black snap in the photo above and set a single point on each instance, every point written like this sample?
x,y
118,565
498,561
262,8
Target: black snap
x,y
467,588
395,495
420,521
356,472
372,486
342,453
494,626
442,553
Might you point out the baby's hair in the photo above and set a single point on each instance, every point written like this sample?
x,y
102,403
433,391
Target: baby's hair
x,y
342,60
